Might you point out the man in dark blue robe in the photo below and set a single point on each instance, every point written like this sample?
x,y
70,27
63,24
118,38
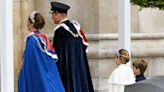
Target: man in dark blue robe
x,y
39,71
70,45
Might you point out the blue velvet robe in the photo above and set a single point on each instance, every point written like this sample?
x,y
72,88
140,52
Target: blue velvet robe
x,y
39,71
72,64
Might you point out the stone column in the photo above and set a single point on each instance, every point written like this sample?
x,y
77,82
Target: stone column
x,y
6,46
124,26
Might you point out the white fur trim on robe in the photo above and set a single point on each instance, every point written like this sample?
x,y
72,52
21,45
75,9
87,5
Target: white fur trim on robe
x,y
121,76
77,27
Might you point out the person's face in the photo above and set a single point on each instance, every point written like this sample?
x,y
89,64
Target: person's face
x,y
118,62
136,70
29,25
56,17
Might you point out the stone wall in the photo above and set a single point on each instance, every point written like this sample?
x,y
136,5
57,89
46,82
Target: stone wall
x,y
151,20
95,16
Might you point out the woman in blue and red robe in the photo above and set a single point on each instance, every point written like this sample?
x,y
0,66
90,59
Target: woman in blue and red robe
x,y
39,71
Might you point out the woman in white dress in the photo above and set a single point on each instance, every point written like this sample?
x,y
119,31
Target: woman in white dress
x,y
123,75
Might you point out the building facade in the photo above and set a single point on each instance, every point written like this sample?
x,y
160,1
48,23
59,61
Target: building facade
x,y
99,20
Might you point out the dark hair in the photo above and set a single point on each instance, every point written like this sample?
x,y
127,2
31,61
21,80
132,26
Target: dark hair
x,y
123,55
39,21
141,64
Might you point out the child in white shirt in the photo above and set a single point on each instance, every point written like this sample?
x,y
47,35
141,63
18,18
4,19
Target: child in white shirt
x,y
123,75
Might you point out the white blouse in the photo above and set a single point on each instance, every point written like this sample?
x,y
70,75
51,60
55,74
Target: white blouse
x,y
123,75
